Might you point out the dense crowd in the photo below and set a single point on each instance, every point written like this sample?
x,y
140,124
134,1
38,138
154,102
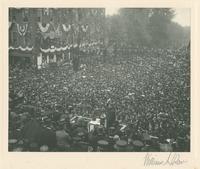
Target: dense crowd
x,y
147,89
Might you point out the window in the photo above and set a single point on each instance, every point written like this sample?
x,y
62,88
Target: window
x,y
14,37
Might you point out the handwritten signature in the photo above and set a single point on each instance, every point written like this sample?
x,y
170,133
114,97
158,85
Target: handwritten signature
x,y
172,159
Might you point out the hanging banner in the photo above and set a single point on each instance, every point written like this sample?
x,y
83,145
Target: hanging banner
x,y
54,58
46,11
43,28
22,29
66,29
45,35
53,24
51,35
84,28
58,32
39,61
10,24
47,58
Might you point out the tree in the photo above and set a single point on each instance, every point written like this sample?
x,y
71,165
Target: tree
x,y
147,27
115,29
159,19
135,22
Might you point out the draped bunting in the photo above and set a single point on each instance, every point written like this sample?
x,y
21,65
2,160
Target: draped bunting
x,y
55,49
21,48
84,28
53,24
76,29
52,34
43,28
22,29
58,32
46,11
66,29
39,61
61,49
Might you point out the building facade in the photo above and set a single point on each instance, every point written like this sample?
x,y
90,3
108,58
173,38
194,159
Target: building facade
x,y
43,35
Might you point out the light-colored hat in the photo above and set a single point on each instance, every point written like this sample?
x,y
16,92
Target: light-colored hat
x,y
102,143
138,143
12,141
121,143
44,148
18,149
116,138
146,137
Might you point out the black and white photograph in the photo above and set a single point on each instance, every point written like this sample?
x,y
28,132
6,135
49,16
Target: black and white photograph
x,y
99,79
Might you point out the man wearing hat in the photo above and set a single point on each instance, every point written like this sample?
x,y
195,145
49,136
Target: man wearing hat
x,y
102,146
44,148
121,146
93,138
47,137
82,145
137,145
63,139
65,120
110,114
12,143
74,145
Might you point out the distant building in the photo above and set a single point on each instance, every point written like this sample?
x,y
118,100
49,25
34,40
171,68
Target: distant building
x,y
39,36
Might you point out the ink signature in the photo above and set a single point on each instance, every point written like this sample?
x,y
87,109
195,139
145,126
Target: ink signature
x,y
172,159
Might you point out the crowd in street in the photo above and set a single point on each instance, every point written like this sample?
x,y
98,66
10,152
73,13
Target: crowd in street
x,y
148,90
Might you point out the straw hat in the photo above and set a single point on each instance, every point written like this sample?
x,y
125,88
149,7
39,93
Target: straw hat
x,y
44,148
18,149
102,143
80,134
12,141
120,145
166,148
138,143
116,138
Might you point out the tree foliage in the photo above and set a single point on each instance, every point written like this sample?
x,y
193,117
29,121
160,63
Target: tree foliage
x,y
146,26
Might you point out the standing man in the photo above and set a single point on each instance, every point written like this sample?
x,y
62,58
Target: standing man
x,y
110,115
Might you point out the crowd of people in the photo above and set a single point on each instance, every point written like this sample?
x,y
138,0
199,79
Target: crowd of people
x,y
147,90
